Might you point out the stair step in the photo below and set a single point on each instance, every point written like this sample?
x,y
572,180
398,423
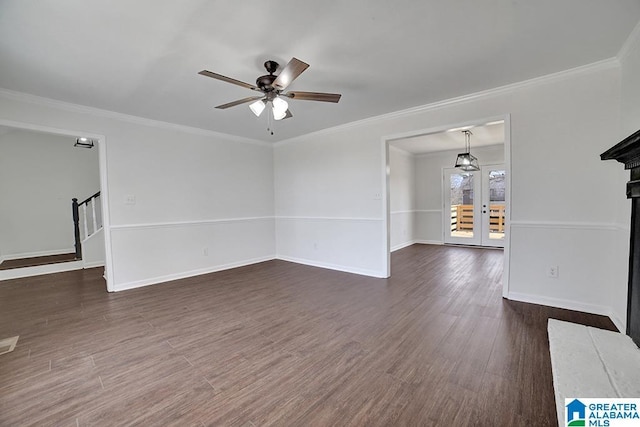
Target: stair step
x,y
35,261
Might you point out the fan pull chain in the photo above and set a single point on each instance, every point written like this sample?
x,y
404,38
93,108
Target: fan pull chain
x,y
269,122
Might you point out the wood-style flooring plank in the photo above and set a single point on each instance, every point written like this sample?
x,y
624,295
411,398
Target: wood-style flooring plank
x,y
278,343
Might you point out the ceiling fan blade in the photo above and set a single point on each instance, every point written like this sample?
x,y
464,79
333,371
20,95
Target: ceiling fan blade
x,y
239,101
217,76
291,71
314,96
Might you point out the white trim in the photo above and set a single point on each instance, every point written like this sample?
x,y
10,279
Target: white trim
x,y
386,142
560,303
569,225
416,242
429,242
17,273
92,234
401,151
570,305
625,228
93,264
634,37
170,224
386,206
346,269
403,245
506,272
402,212
328,218
191,273
549,78
8,257
455,150
617,321
104,180
76,108
428,211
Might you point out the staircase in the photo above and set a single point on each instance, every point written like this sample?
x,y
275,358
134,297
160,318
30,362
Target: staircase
x,y
87,220
89,245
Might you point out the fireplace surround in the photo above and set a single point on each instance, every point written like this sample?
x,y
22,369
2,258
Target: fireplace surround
x,y
627,152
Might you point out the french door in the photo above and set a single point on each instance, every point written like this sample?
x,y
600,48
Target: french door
x,y
474,206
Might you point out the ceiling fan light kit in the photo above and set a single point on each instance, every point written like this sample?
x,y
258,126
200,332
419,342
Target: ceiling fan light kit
x,y
272,87
257,107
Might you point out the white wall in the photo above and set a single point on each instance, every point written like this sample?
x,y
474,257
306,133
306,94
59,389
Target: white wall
x,y
561,192
39,175
428,216
629,123
402,181
195,192
198,190
328,203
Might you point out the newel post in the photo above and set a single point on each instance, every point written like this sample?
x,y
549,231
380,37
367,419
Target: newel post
x,y
76,227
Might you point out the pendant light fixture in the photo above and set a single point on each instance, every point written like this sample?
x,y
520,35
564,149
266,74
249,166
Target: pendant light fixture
x,y
466,161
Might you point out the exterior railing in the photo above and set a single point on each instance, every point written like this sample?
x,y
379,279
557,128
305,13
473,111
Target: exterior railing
x,y
462,218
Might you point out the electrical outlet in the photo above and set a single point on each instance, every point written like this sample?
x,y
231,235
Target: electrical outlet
x,y
553,271
130,199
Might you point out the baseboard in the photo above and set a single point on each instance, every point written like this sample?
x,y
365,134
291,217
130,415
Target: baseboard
x,y
562,303
183,275
312,263
617,320
402,245
38,254
17,273
93,264
414,242
429,242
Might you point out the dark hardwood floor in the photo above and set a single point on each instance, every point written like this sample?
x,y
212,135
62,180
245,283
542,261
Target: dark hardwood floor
x,y
278,343
35,261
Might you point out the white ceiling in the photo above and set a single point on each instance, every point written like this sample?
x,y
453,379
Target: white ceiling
x,y
453,139
142,57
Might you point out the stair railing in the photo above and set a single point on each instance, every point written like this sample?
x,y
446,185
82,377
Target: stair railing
x,y
92,218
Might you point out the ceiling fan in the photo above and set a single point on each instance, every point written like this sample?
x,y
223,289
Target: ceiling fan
x,y
272,87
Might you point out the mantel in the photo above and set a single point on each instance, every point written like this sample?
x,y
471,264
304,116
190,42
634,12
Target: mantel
x,y
627,152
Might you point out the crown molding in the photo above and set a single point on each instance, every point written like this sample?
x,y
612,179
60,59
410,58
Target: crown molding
x,y
400,150
605,64
97,112
626,48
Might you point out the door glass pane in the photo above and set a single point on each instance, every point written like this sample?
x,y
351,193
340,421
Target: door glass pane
x,y
496,204
461,205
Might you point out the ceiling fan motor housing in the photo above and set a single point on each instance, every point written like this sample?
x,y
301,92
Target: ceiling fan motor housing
x,y
265,82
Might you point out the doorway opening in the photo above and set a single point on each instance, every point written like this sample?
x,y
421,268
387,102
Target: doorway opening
x,y
474,206
49,171
429,201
